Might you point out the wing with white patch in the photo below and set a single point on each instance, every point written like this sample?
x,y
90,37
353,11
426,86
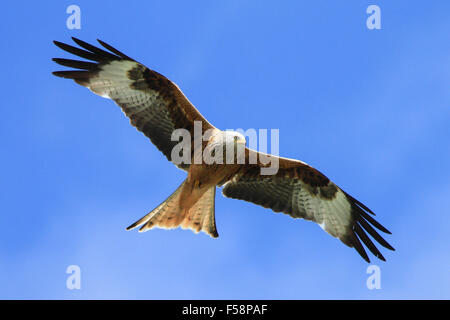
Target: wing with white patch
x,y
153,103
303,192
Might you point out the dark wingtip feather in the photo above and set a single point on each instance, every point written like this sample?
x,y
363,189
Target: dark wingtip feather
x,y
79,52
91,52
360,212
99,52
360,249
366,240
359,203
368,228
71,74
80,77
114,50
363,226
60,45
58,74
84,65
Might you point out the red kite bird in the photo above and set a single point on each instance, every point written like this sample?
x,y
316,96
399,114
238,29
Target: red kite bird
x,y
157,107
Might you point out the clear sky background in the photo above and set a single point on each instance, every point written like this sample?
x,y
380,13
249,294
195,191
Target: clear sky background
x,y
369,108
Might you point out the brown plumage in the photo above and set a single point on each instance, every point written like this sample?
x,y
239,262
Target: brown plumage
x,y
157,107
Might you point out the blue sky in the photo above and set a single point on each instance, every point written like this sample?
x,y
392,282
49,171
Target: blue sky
x,y
369,108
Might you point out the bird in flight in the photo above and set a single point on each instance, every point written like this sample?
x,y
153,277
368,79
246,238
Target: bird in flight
x,y
157,107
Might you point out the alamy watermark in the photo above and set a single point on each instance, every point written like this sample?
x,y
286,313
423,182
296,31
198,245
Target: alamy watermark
x,y
374,280
74,20
226,147
74,280
374,20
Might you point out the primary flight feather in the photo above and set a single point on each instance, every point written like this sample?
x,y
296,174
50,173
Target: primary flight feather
x,y
157,107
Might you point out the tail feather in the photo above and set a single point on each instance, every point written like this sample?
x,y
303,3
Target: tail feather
x,y
150,216
170,214
201,216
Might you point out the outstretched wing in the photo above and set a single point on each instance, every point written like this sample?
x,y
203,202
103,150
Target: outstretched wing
x,y
303,192
153,103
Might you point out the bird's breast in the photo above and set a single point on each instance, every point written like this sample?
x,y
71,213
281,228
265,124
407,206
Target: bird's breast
x,y
211,174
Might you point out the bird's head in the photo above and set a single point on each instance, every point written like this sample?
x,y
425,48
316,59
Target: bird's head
x,y
232,143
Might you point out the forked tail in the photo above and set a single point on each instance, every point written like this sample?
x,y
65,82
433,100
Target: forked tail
x,y
172,214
